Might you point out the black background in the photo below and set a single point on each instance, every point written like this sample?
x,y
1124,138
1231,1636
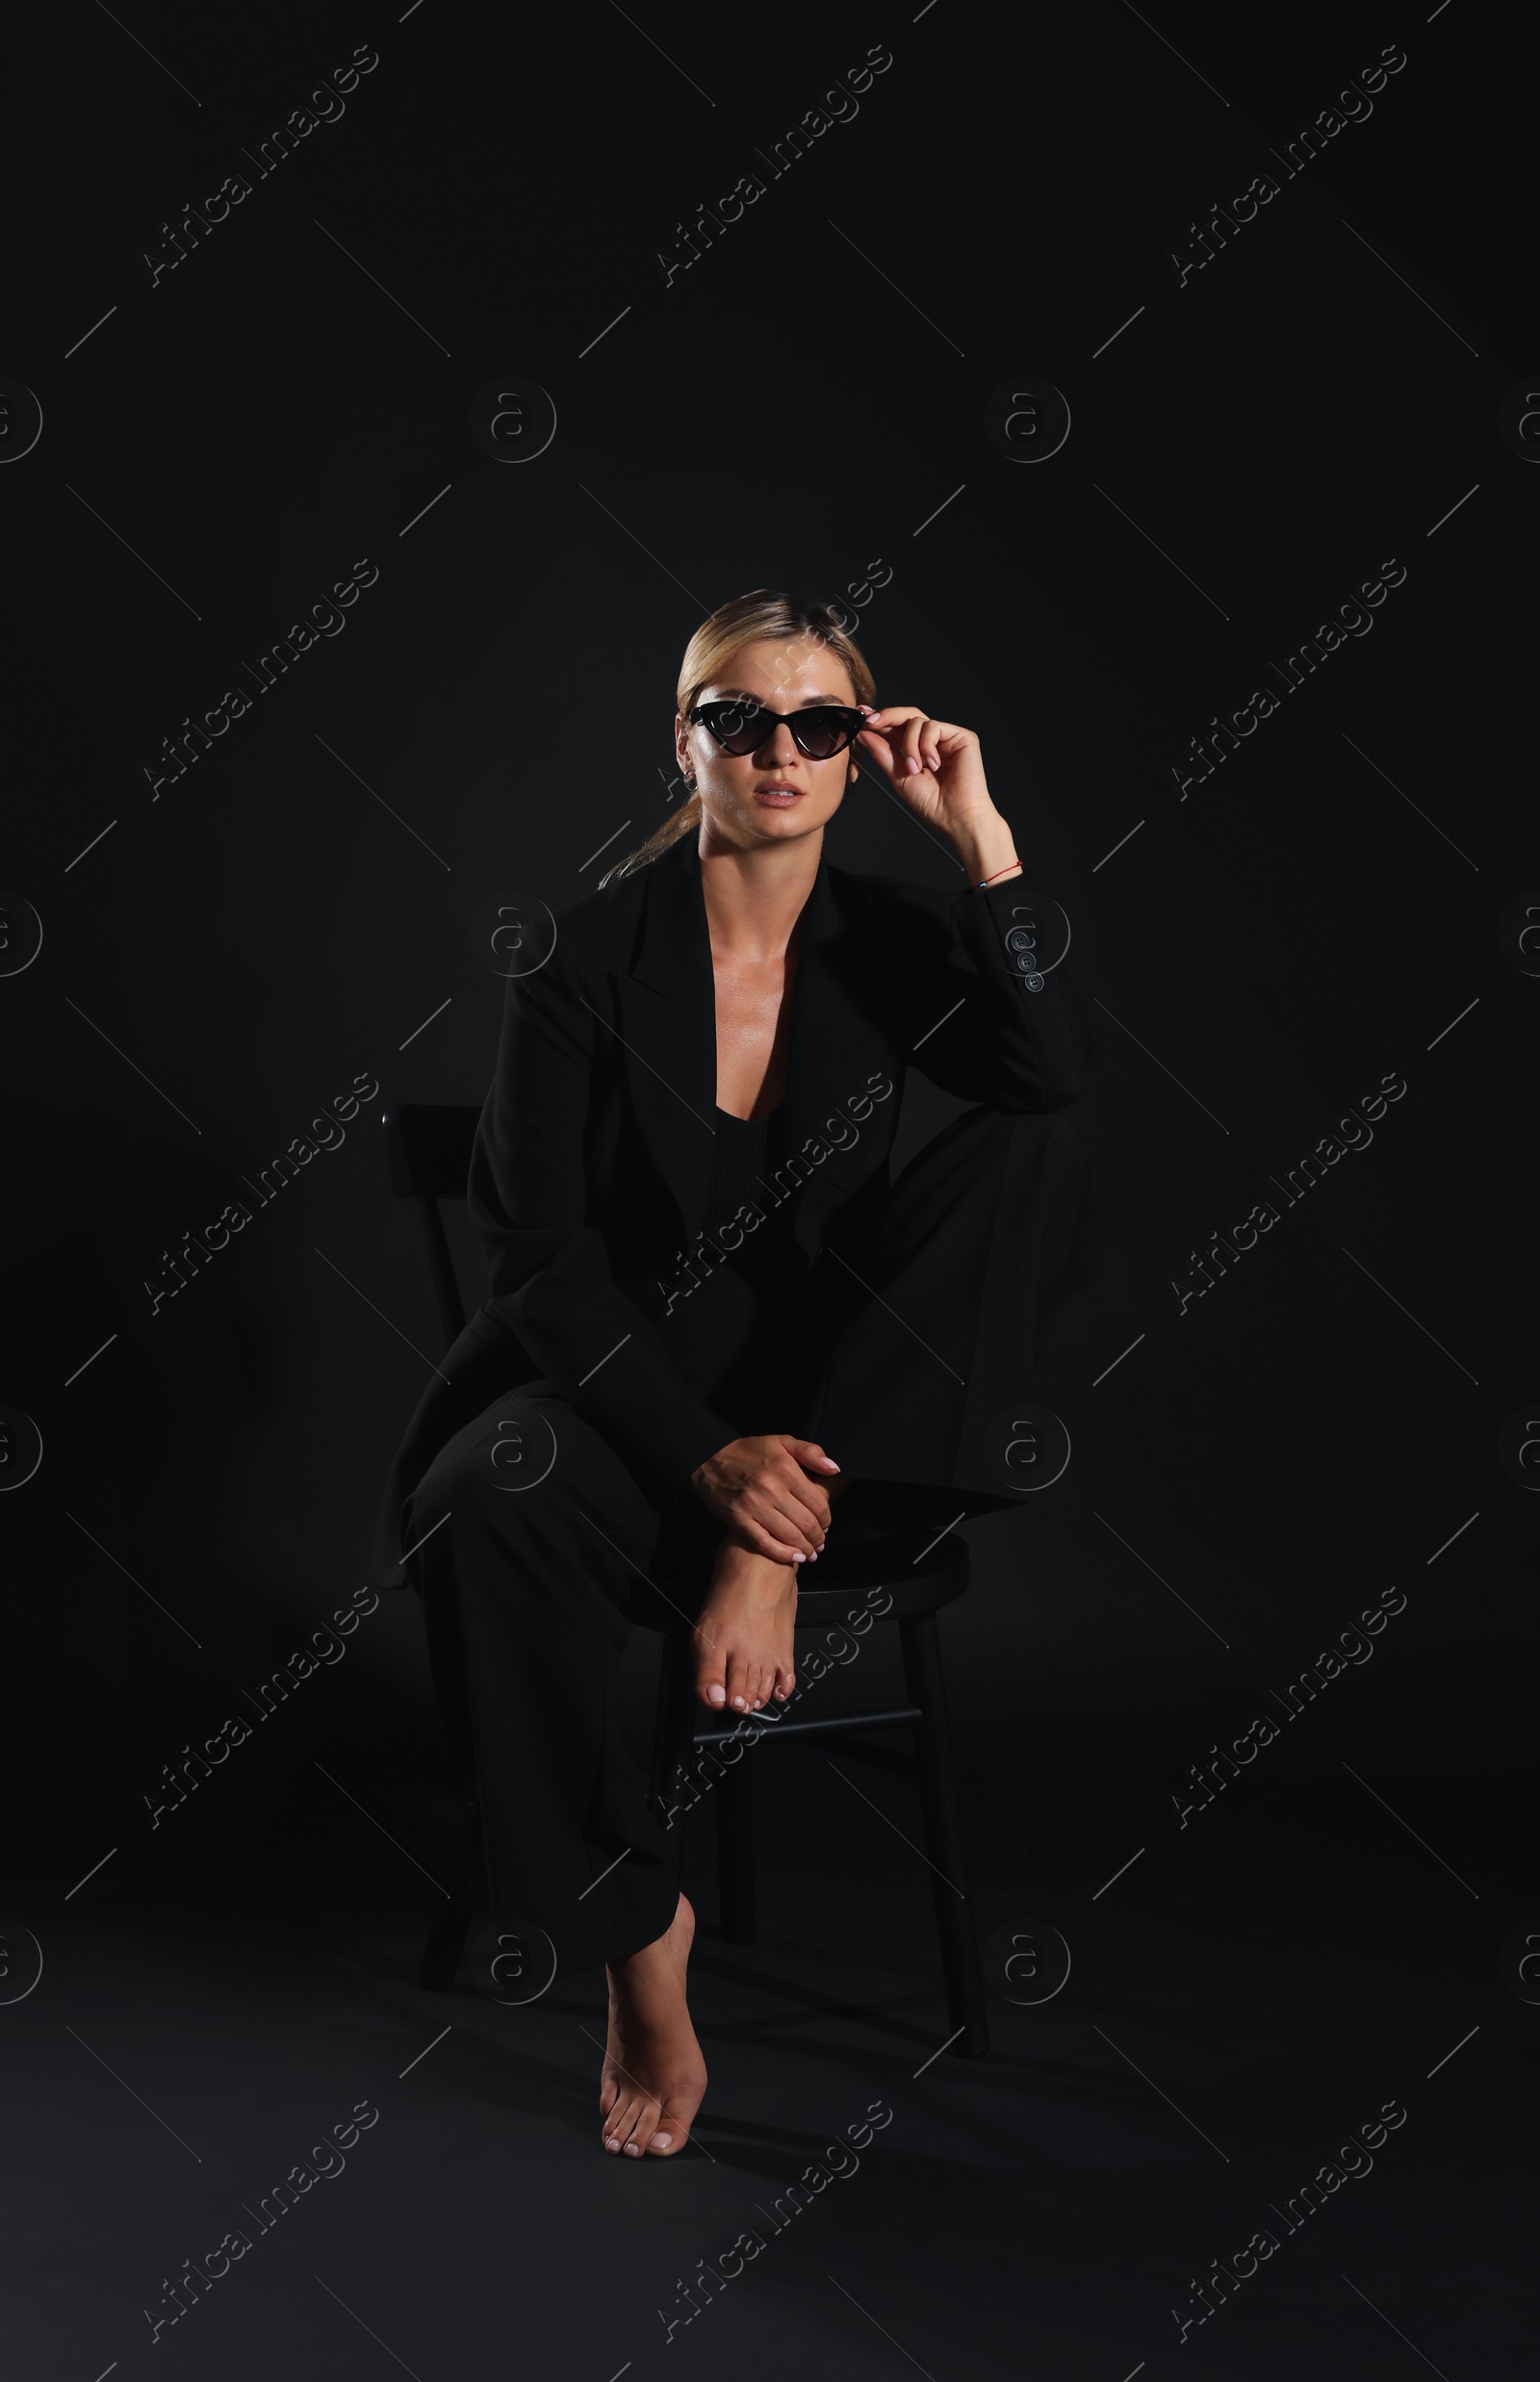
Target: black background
x,y
1245,453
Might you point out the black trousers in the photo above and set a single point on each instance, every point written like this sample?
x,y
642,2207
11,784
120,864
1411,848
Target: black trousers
x,y
537,1547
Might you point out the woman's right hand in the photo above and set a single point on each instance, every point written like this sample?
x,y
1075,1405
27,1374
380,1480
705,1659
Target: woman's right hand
x,y
760,1488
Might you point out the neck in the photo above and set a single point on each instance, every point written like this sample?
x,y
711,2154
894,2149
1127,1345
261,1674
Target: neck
x,y
754,897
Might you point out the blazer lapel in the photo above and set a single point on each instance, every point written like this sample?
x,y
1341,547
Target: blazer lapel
x,y
666,1011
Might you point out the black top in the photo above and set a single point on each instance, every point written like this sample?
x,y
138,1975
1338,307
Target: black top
x,y
735,1335
740,1163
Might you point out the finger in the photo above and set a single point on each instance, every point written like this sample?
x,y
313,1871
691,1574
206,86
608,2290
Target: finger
x,y
795,1522
880,750
807,1517
764,1540
775,1538
782,1514
883,745
808,1452
807,1497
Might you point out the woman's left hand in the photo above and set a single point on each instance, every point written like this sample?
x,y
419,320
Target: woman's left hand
x,y
936,767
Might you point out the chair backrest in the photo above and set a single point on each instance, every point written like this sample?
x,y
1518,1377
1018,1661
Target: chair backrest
x,y
428,1150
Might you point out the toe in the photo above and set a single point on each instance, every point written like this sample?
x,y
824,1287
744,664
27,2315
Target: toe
x,y
618,2127
737,1682
642,2131
677,2117
710,1671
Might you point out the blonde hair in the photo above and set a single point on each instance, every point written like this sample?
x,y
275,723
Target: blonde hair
x,y
765,613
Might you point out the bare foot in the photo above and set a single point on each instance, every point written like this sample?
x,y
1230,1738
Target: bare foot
x,y
654,2076
742,1639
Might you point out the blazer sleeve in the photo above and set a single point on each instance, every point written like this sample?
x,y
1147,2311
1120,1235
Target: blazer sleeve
x,y
1009,1034
550,1271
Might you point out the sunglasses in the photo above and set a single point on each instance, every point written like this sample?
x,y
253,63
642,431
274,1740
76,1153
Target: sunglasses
x,y
818,734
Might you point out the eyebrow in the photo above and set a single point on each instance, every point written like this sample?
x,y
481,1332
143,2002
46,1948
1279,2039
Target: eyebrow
x,y
808,703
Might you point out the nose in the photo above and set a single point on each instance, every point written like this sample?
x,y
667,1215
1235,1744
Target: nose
x,y
781,748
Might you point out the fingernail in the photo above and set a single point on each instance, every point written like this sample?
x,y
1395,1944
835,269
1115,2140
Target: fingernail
x,y
716,1695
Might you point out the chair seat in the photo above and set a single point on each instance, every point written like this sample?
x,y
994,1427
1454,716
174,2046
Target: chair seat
x,y
939,1577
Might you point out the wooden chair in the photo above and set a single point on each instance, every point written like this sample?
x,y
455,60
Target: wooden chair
x,y
428,1151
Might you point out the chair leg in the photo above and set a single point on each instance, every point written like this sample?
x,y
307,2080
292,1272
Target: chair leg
x,y
735,1852
943,1832
445,1942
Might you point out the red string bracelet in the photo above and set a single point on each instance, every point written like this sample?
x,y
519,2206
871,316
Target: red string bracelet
x,y
1000,872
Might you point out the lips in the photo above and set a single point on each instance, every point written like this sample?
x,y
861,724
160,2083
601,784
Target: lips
x,y
778,794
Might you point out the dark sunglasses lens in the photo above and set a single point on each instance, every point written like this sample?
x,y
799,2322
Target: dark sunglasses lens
x,y
821,734
737,727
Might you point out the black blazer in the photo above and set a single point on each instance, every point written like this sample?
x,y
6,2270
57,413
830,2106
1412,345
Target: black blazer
x,y
592,1163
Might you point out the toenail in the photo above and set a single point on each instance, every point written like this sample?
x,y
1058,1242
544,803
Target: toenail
x,y
737,1703
717,1695
661,2141
632,2151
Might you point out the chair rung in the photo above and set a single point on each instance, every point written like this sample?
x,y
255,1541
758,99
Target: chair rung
x,y
814,1727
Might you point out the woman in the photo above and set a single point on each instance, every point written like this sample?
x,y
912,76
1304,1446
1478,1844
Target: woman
x,y
714,1323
